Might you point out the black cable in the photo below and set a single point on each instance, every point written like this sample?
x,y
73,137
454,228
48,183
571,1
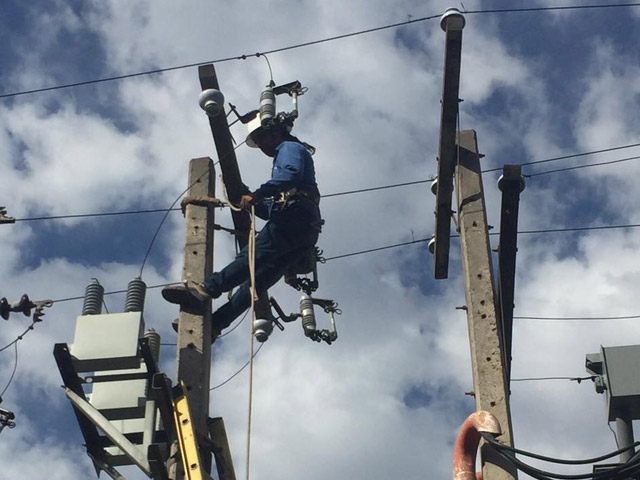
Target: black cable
x,y
220,60
525,232
566,169
546,9
564,157
155,235
628,317
238,372
585,461
370,189
305,44
539,379
376,249
15,367
19,337
103,214
508,455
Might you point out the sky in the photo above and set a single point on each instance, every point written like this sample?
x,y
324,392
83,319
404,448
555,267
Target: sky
x,y
387,399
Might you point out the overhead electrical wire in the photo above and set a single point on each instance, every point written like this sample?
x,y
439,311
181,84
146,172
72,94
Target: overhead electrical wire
x,y
588,165
238,372
548,9
13,373
627,317
307,44
364,190
539,379
219,60
564,157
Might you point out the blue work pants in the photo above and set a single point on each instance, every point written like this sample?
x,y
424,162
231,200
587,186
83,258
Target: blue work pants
x,y
282,242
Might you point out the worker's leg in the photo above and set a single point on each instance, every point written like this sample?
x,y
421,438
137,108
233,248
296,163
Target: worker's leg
x,y
272,243
268,271
266,276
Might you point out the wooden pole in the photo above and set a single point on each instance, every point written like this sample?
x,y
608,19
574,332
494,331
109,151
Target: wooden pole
x,y
452,25
490,388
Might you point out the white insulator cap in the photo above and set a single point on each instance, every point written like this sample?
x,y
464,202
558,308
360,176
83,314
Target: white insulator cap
x,y
211,101
452,19
262,329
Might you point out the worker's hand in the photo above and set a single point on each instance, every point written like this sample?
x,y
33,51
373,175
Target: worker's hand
x,y
246,201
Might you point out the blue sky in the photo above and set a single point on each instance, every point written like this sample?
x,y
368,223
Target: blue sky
x,y
388,396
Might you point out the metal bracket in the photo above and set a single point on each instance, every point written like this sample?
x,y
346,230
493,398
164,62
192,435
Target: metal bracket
x,y
118,439
4,218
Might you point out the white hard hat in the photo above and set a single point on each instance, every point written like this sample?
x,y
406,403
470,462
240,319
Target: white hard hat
x,y
253,127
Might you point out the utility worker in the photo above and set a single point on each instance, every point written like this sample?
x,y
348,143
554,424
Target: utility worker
x,y
289,201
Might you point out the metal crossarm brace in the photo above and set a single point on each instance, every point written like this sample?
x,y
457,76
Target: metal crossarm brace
x,y
447,151
118,439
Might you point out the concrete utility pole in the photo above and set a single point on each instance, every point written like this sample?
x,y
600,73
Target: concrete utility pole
x,y
489,381
194,332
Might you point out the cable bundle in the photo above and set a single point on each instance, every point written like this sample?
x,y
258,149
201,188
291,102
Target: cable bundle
x,y
625,471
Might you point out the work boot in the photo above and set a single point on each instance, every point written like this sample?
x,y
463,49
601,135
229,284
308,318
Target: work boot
x,y
215,330
191,294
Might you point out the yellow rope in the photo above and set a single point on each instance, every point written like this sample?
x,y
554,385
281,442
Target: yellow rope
x,y
252,279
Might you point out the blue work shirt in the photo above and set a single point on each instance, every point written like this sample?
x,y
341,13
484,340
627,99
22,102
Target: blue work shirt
x,y
292,167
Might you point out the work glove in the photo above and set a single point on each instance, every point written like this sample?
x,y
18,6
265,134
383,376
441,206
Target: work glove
x,y
246,201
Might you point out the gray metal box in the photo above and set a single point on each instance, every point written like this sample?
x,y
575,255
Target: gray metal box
x,y
621,369
104,342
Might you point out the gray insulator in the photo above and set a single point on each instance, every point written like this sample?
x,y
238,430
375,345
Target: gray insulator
x,y
136,291
308,317
153,338
267,106
93,296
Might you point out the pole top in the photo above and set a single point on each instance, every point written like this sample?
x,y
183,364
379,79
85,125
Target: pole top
x,y
452,19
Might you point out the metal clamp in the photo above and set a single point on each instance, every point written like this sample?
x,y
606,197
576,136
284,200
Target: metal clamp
x,y
4,218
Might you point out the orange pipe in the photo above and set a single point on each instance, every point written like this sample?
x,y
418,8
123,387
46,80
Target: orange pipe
x,y
466,448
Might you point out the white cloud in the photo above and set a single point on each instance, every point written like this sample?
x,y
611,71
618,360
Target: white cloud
x,y
372,110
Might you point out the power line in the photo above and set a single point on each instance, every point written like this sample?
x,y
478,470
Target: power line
x,y
15,367
627,317
564,157
547,9
538,379
525,232
582,166
362,190
238,372
301,45
102,214
220,60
